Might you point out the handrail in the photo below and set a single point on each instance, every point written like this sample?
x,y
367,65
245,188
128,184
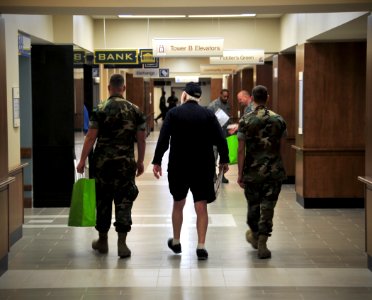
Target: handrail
x,y
297,148
6,182
366,180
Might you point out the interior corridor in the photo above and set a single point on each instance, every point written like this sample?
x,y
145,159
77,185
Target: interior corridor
x,y
316,253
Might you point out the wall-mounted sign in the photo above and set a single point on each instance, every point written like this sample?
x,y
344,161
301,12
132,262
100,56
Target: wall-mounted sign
x,y
146,73
240,57
217,69
181,79
24,45
79,57
147,59
181,47
117,57
163,73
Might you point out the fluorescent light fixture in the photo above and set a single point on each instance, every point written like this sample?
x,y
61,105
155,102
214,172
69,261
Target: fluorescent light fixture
x,y
183,79
222,16
151,16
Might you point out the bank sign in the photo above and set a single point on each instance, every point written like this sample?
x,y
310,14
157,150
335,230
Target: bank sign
x,y
118,57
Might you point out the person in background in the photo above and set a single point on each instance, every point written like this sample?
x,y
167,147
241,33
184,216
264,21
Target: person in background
x,y
260,168
172,100
162,107
191,130
222,102
115,126
85,120
244,99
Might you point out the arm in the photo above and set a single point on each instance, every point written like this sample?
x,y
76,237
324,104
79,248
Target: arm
x,y
89,141
241,158
161,146
141,147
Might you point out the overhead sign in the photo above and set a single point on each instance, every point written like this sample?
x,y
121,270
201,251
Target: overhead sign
x,y
240,57
24,45
217,69
146,73
181,47
117,57
182,79
79,57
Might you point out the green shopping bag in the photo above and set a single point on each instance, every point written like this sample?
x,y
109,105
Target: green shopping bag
x,y
232,144
83,204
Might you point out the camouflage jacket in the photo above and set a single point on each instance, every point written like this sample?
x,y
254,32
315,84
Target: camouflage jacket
x,y
262,131
117,121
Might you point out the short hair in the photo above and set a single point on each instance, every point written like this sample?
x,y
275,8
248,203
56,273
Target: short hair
x,y
224,90
259,94
245,93
117,80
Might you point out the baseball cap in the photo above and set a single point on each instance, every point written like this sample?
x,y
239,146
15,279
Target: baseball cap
x,y
193,89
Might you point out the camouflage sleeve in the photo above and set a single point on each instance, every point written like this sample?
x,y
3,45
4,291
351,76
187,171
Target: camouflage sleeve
x,y
212,106
93,121
141,120
240,134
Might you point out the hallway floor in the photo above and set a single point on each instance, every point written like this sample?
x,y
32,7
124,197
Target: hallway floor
x,y
316,253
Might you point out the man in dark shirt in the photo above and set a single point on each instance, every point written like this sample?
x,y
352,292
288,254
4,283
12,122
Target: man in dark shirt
x,y
115,125
192,131
172,100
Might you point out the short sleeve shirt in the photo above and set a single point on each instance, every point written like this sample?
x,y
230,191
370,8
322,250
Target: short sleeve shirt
x,y
117,121
262,130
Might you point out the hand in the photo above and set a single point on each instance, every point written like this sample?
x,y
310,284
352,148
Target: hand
x,y
240,182
80,167
232,128
157,171
140,168
224,167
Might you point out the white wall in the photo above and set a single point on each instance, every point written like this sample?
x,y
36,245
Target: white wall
x,y
83,32
298,28
41,27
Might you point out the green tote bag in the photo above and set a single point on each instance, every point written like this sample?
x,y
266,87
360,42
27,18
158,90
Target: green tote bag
x,y
83,204
232,144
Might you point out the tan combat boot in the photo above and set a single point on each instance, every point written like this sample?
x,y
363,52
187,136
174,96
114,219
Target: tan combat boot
x,y
101,245
123,250
263,252
251,238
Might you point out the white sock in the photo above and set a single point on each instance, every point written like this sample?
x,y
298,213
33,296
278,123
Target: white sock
x,y
175,242
201,246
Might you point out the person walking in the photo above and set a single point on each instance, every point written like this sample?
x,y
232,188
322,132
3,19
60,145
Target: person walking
x,y
115,126
192,130
172,100
222,102
260,168
162,107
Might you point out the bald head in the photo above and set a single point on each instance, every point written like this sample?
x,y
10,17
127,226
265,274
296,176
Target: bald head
x,y
244,98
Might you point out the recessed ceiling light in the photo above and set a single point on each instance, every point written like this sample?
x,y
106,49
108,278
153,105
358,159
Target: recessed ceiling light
x,y
223,16
151,16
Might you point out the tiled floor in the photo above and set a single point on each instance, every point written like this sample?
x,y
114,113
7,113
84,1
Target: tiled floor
x,y
317,254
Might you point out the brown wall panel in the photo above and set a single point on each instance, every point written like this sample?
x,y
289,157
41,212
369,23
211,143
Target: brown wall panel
x,y
264,76
283,103
3,107
369,220
247,80
334,95
16,201
216,86
4,240
333,175
299,173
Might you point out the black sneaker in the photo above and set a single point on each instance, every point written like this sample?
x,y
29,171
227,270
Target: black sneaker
x,y
175,248
225,180
202,254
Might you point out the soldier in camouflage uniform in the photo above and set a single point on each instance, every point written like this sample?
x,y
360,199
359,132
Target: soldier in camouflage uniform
x,y
116,125
261,170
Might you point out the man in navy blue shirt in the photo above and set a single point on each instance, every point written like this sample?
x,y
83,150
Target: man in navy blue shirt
x,y
192,131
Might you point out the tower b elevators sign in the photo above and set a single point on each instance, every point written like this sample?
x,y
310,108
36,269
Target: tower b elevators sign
x,y
127,57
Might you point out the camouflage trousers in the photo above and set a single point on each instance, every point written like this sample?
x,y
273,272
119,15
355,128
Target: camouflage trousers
x,y
123,196
261,200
